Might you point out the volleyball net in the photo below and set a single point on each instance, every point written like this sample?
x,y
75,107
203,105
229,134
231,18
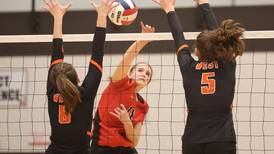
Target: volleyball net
x,y
24,120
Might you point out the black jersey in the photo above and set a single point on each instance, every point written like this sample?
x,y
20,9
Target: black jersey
x,y
209,89
72,131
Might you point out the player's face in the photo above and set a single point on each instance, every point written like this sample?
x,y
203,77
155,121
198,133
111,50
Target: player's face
x,y
141,74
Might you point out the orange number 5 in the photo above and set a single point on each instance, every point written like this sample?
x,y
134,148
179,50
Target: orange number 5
x,y
208,84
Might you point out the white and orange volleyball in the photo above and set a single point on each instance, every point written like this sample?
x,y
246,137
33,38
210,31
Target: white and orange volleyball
x,y
124,14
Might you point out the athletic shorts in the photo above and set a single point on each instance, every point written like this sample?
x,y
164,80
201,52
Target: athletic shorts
x,y
52,149
95,149
210,148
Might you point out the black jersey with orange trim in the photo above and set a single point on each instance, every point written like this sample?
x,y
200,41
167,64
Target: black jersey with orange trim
x,y
209,89
108,129
72,131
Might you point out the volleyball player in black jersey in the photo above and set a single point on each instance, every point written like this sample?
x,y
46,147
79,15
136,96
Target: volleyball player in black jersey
x,y
209,82
70,106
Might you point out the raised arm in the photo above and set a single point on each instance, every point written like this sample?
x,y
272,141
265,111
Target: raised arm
x,y
93,78
131,53
57,11
208,14
174,23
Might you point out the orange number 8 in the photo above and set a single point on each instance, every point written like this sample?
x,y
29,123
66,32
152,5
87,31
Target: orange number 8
x,y
63,117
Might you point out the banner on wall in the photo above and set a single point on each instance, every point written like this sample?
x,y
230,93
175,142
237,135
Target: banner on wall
x,y
12,87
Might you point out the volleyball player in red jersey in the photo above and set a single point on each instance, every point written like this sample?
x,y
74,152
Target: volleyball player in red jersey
x,y
209,83
121,110
70,106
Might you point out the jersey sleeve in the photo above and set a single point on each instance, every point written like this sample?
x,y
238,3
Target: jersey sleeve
x,y
140,117
57,56
183,52
185,60
208,16
94,75
176,30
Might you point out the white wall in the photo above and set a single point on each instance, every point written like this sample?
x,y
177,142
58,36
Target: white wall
x,y
15,5
20,126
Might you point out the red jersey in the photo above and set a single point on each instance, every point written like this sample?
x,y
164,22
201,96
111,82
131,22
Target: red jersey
x,y
108,129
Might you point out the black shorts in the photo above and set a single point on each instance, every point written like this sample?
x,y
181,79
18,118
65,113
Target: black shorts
x,y
210,148
52,149
95,149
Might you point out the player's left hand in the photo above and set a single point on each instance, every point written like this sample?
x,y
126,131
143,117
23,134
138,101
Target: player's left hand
x,y
121,113
147,28
167,5
55,8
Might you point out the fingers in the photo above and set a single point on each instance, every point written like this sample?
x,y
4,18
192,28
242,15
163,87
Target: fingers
x,y
49,5
174,1
114,114
147,26
115,5
117,110
93,4
109,3
66,7
153,29
123,107
142,25
53,2
45,7
104,1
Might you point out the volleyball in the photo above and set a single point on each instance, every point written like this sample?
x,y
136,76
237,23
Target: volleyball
x,y
124,14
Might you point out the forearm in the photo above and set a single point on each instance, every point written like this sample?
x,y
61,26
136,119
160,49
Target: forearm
x,y
131,53
101,20
129,130
176,29
57,29
209,16
98,45
57,45
131,133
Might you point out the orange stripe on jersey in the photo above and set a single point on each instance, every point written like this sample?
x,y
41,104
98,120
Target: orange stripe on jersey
x,y
181,47
56,62
96,65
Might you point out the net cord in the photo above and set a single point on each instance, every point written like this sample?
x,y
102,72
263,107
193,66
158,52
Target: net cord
x,y
120,37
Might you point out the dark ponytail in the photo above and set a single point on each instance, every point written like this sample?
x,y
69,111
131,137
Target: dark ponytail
x,y
65,78
224,43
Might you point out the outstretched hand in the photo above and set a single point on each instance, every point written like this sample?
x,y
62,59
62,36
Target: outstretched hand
x,y
104,7
55,8
167,5
147,28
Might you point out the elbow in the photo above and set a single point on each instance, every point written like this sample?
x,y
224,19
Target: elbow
x,y
135,142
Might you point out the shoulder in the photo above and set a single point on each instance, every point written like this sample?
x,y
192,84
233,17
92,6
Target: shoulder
x,y
142,103
124,83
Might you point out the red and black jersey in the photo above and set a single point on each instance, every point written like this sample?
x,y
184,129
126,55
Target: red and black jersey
x,y
108,129
209,89
72,131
